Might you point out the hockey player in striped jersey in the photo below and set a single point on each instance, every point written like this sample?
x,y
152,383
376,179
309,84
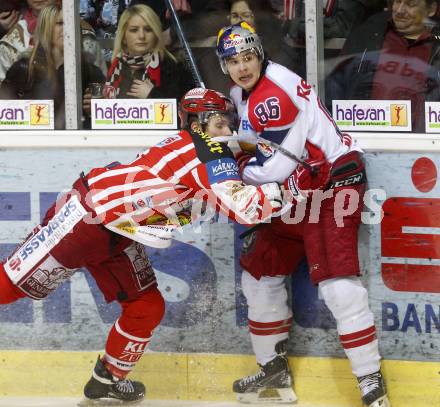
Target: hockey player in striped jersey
x,y
102,223
279,113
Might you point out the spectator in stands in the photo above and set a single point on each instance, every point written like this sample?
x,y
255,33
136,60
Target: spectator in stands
x,y
340,17
40,74
240,10
90,46
9,15
394,55
104,15
142,67
260,15
18,39
257,13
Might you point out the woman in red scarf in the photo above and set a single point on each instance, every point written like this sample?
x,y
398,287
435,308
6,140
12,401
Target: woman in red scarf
x,y
142,67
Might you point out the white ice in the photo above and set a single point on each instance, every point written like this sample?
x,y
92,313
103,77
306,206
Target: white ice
x,y
74,402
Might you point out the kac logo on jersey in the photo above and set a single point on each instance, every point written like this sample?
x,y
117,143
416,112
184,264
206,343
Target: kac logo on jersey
x,y
144,202
221,170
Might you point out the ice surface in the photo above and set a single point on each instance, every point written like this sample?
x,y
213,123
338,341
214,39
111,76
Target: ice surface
x,y
74,402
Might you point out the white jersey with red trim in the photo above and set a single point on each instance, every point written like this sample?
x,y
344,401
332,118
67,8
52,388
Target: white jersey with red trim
x,y
141,200
284,109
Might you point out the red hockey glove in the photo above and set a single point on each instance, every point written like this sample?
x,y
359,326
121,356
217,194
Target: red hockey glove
x,y
242,158
304,181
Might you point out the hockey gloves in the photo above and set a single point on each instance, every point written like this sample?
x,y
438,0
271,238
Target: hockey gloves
x,y
272,192
303,181
242,158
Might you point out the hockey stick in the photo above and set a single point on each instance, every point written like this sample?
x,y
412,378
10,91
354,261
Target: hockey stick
x,y
288,154
188,53
275,146
282,150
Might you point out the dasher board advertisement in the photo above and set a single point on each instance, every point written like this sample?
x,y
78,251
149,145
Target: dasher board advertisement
x,y
200,274
432,117
142,114
372,115
27,115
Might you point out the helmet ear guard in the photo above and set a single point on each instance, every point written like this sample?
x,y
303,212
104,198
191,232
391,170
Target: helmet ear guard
x,y
234,39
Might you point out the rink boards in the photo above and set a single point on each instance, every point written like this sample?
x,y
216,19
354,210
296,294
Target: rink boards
x,y
172,376
200,279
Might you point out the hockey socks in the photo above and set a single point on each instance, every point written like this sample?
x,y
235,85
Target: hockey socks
x,y
131,333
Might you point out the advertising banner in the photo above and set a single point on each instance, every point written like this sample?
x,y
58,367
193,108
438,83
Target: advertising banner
x,y
432,117
199,275
26,115
372,115
145,114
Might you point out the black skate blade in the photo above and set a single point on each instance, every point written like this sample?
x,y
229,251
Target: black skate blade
x,y
107,402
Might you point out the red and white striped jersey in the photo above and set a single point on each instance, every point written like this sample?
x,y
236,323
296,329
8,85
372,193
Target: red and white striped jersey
x,y
284,109
140,200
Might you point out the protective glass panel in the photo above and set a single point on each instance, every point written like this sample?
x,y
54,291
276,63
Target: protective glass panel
x,y
31,65
387,63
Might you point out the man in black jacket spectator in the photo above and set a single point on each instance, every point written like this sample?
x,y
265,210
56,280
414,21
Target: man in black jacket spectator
x,y
394,55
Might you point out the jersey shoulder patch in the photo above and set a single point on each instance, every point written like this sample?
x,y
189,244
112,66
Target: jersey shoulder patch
x,y
208,150
169,140
223,169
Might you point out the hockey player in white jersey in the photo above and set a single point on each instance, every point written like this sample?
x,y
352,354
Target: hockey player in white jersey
x,y
277,105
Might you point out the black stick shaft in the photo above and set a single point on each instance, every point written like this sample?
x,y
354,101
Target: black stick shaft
x,y
287,153
189,55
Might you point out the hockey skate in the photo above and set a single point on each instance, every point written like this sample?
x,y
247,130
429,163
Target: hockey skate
x,y
104,389
272,384
373,390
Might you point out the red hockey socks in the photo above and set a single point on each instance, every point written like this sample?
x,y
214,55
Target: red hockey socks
x,y
131,333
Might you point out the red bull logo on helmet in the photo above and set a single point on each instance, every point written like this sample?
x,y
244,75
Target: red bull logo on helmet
x,y
235,38
233,42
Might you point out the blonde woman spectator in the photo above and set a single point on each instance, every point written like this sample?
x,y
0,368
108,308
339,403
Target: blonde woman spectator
x,y
40,74
18,39
142,67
